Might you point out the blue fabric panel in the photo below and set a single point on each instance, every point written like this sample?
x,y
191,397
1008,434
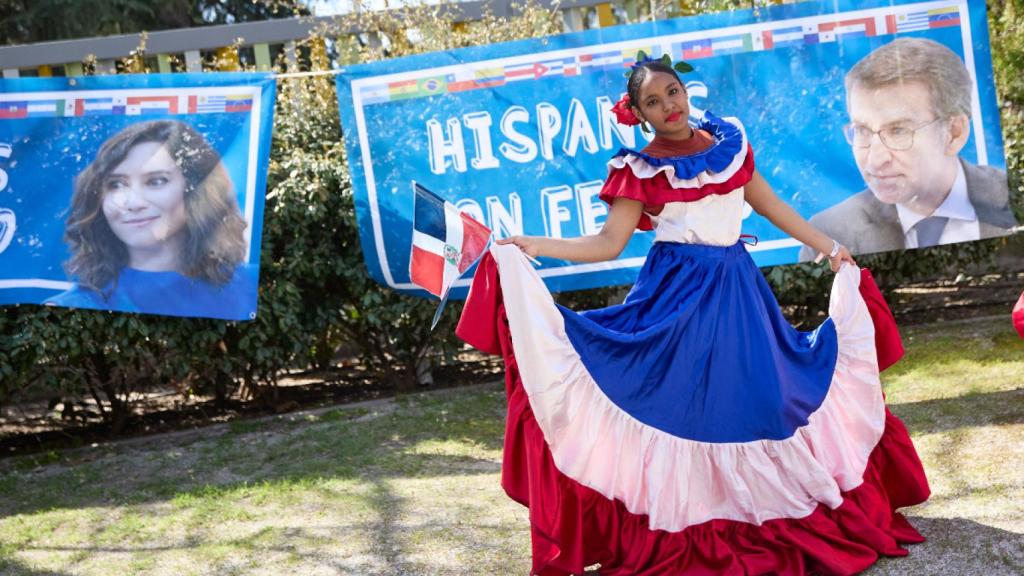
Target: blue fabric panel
x,y
429,218
172,294
700,349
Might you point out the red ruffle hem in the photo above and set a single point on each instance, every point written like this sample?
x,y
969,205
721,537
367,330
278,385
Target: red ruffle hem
x,y
573,526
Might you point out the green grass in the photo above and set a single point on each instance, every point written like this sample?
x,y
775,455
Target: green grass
x,y
960,391
411,486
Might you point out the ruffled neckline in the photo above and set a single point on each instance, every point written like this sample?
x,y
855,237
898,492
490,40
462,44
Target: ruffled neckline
x,y
728,143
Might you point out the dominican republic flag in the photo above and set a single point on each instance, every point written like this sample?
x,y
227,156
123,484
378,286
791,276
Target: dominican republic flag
x,y
445,242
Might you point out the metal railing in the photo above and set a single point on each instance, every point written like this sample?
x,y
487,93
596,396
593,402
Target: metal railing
x,y
254,42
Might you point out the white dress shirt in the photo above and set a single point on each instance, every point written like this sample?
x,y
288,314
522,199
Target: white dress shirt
x,y
963,221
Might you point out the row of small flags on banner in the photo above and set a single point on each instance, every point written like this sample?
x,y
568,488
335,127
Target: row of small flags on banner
x,y
474,78
469,78
128,106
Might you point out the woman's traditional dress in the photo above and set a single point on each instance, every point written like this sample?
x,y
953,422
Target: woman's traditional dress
x,y
691,429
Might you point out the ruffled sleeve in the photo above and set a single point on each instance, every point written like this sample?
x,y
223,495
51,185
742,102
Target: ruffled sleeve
x,y
622,184
725,166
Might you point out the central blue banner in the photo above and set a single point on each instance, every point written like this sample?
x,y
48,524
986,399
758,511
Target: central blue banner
x,y
518,134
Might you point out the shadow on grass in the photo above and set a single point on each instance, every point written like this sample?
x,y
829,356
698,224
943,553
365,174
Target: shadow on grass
x,y
418,438
390,556
388,504
974,409
11,567
957,546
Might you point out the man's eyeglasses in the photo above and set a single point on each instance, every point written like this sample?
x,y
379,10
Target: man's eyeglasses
x,y
893,137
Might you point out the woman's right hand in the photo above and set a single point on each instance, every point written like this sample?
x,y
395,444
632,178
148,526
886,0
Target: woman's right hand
x,y
530,245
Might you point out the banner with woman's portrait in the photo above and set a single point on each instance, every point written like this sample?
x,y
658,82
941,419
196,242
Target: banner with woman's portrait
x,y
865,116
134,193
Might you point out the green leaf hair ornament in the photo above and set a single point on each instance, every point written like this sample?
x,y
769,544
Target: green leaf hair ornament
x,y
642,58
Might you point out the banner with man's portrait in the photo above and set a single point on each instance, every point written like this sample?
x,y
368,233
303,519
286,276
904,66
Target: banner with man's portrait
x,y
134,193
519,134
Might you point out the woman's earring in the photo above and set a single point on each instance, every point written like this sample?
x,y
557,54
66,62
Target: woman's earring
x,y
643,126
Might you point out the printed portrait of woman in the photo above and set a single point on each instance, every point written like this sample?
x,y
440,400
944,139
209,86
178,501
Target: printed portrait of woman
x,y
154,227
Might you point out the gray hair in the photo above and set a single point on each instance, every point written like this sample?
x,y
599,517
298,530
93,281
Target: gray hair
x,y
917,60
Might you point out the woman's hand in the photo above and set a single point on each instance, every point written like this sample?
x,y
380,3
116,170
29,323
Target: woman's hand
x,y
842,256
605,245
530,245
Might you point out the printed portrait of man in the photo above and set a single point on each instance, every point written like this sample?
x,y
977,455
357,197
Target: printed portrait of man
x,y
909,105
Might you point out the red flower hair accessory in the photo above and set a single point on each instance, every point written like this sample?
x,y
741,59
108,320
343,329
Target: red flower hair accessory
x,y
624,113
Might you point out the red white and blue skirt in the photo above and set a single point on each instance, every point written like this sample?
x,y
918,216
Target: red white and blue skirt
x,y
691,429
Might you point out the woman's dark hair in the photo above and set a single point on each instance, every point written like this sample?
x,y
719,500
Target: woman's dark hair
x,y
215,241
640,72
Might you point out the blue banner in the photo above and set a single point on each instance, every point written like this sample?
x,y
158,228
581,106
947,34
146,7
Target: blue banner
x,y
134,193
519,134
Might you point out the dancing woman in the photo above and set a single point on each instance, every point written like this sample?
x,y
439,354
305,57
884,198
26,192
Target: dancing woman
x,y
691,429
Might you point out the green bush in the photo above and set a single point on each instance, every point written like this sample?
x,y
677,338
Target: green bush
x,y
312,242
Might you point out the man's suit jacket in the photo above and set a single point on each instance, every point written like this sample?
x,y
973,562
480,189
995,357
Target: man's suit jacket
x,y
865,225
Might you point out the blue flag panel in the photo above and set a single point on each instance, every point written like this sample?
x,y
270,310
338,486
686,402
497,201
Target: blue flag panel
x,y
134,193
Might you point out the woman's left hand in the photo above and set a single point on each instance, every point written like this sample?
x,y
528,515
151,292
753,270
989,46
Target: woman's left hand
x,y
843,256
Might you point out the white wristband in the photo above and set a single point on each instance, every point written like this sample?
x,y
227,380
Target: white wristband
x,y
835,252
